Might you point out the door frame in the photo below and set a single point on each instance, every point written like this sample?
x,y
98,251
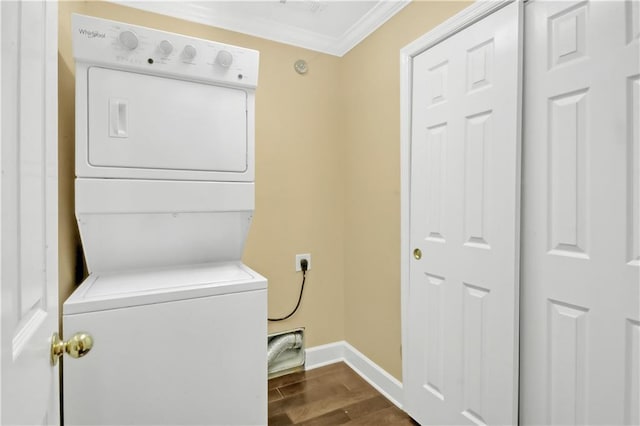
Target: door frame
x,y
467,17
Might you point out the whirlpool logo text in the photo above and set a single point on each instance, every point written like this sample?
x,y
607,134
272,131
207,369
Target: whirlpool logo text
x,y
91,34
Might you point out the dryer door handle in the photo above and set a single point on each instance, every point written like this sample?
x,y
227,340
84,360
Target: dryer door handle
x,y
118,118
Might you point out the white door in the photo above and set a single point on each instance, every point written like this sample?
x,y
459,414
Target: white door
x,y
580,354
28,212
461,353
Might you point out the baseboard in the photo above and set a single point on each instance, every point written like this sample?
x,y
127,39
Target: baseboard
x,y
319,356
385,383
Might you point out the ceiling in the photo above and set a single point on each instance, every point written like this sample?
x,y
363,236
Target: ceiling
x,y
328,26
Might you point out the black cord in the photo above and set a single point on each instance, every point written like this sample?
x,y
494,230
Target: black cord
x,y
304,278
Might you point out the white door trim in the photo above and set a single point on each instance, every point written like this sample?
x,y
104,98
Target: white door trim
x,y
451,26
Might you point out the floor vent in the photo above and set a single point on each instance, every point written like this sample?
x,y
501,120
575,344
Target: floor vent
x,y
285,352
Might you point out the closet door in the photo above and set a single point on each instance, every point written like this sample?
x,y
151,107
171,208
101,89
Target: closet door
x,y
461,346
580,324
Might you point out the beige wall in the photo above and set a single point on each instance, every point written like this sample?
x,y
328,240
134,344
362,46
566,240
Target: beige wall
x,y
372,181
299,196
327,173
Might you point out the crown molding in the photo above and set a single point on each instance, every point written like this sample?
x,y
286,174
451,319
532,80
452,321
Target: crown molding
x,y
263,27
381,13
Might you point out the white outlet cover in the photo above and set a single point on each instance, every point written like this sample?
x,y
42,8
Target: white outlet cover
x,y
299,257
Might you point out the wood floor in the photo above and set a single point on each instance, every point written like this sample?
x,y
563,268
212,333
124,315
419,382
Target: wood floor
x,y
331,395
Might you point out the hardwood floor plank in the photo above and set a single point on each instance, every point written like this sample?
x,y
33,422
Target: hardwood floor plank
x,y
330,368
274,395
309,384
387,416
279,420
354,382
336,417
368,406
327,396
305,375
286,380
317,393
324,405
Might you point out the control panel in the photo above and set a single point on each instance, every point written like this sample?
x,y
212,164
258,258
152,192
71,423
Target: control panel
x,y
131,47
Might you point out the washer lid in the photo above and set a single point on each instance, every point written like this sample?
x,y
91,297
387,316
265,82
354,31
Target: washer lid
x,y
103,291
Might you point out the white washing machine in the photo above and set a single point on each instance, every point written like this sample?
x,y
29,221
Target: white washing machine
x,y
164,200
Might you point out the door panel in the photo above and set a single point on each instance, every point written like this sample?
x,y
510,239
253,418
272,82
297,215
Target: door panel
x,y
462,306
199,361
151,122
580,299
29,261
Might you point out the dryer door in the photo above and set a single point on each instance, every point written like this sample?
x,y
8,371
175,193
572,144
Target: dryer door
x,y
157,127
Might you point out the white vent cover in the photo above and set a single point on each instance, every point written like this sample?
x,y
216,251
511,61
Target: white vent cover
x,y
313,6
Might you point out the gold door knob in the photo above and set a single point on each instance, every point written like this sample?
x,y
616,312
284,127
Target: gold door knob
x,y
417,253
76,347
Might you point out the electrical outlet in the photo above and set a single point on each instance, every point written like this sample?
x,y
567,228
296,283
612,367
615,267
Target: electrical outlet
x,y
299,257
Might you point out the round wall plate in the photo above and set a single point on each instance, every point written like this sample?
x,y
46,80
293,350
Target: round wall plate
x,y
301,66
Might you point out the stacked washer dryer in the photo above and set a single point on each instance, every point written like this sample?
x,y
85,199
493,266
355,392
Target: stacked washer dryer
x,y
164,200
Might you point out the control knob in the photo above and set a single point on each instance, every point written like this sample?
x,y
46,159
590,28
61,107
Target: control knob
x,y
128,39
165,47
189,52
224,59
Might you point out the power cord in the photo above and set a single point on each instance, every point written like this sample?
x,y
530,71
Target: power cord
x,y
303,265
